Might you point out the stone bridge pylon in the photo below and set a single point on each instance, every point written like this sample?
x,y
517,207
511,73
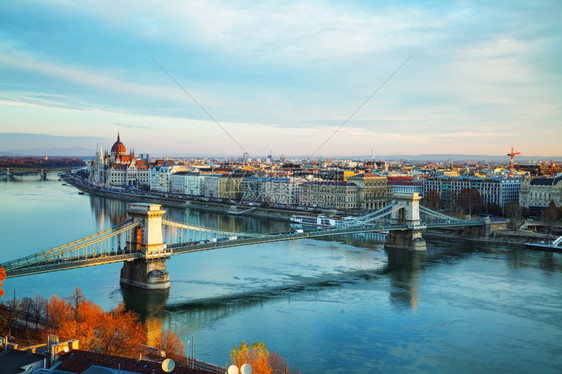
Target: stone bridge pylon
x,y
148,270
407,213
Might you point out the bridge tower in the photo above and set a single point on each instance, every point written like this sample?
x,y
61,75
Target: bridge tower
x,y
149,269
407,214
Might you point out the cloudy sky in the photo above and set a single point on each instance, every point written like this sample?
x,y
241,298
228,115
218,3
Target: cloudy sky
x,y
310,78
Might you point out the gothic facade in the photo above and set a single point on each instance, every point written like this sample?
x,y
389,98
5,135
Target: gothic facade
x,y
117,168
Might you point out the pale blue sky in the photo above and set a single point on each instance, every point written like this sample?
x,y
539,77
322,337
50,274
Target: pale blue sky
x,y
284,75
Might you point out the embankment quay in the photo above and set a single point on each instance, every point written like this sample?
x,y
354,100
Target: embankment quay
x,y
499,233
187,201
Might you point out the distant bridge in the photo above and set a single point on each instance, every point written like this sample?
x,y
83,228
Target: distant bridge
x,y
42,171
139,241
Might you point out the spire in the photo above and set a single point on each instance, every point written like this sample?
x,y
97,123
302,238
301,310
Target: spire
x,y
118,137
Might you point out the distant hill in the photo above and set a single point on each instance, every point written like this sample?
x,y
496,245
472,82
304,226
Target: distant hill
x,y
20,144
459,157
38,152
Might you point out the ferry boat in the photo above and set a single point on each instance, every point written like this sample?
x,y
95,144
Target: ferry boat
x,y
320,221
555,246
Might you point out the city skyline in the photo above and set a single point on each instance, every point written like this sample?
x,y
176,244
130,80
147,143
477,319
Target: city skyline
x,y
313,78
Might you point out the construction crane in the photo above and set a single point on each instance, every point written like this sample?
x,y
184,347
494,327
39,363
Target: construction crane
x,y
511,155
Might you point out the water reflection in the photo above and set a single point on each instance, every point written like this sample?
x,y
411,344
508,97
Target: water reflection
x,y
110,212
150,305
404,267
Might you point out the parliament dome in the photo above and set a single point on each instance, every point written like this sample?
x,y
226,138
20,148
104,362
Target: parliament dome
x,y
118,147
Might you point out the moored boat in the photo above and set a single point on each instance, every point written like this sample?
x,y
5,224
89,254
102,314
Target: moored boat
x,y
555,246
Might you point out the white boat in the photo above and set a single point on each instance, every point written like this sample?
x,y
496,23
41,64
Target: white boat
x,y
555,246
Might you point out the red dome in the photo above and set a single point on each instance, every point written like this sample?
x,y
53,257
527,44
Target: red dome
x,y
118,147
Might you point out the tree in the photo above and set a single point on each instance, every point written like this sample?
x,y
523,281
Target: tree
x,y
280,366
256,356
11,313
470,200
26,308
121,333
39,306
118,332
75,300
260,359
550,215
85,327
57,312
494,209
2,278
171,343
432,200
240,355
513,212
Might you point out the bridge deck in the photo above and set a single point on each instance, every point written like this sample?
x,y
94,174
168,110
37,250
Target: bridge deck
x,y
181,248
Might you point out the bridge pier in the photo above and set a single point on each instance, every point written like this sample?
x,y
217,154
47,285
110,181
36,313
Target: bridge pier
x,y
148,270
407,214
151,275
407,239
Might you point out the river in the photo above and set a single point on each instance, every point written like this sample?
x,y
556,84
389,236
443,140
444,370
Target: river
x,y
339,305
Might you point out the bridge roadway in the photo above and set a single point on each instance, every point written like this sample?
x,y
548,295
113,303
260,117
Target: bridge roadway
x,y
67,263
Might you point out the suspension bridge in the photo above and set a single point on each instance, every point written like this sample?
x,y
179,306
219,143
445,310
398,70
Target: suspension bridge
x,y
146,240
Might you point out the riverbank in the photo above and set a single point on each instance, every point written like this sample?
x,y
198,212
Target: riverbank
x,y
502,236
186,201
200,203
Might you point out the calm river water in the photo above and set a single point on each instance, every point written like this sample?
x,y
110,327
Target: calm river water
x,y
327,306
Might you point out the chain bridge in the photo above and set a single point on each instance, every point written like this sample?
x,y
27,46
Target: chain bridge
x,y
146,240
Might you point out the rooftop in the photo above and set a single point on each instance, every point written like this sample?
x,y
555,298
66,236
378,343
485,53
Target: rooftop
x,y
77,361
545,181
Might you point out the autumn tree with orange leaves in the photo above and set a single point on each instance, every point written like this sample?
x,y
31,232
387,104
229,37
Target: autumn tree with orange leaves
x,y
2,278
118,332
260,359
171,343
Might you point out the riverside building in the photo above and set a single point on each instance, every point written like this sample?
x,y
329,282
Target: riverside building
x,y
117,168
537,193
498,190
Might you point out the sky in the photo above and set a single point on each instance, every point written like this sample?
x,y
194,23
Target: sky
x,y
310,78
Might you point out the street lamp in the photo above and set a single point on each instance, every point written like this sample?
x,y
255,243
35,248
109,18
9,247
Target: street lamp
x,y
187,352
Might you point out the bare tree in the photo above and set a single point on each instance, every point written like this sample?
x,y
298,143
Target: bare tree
x,y
26,308
75,300
432,200
470,200
550,215
11,314
39,308
513,212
